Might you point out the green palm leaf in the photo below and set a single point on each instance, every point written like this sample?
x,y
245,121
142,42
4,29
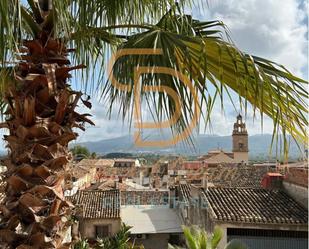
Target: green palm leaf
x,y
216,237
199,51
235,244
190,235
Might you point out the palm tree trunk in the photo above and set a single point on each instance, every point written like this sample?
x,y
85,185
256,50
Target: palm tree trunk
x,y
40,118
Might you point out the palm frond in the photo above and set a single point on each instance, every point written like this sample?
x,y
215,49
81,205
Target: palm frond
x,y
36,10
216,237
200,51
33,27
106,12
203,243
10,28
189,233
235,244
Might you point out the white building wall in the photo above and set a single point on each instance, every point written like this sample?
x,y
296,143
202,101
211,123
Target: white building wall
x,y
87,226
298,193
241,157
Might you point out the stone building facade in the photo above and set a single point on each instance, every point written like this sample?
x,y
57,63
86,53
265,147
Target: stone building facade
x,y
240,148
98,213
240,141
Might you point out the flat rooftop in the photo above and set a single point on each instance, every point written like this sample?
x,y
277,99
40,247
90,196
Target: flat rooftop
x,y
149,219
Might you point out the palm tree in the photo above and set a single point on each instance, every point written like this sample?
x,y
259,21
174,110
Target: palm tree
x,y
197,238
82,244
121,240
42,41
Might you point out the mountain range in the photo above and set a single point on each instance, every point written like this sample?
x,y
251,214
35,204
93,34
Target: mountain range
x,y
259,146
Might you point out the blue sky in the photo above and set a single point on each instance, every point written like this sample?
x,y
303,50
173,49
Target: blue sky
x,y
275,29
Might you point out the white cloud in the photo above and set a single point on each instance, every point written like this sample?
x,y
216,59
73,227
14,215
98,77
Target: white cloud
x,y
104,127
222,121
274,29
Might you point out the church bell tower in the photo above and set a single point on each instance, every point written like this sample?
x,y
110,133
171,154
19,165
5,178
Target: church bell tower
x,y
240,141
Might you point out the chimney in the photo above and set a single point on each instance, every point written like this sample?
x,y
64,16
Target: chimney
x,y
205,181
141,178
272,181
115,184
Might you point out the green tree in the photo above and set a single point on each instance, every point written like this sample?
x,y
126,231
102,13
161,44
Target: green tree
x,y
42,41
82,244
93,155
119,241
197,238
81,151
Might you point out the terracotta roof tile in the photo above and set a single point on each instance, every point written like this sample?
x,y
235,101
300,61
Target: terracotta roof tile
x,y
87,163
237,177
98,204
105,163
130,160
251,205
79,171
144,197
185,192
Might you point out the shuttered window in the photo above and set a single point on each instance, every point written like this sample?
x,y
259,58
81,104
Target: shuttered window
x,y
102,231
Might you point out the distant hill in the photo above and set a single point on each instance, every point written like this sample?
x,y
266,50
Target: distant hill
x,y
259,146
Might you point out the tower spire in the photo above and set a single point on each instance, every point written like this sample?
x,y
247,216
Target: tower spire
x,y
240,141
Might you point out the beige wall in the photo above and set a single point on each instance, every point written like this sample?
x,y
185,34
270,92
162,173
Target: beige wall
x,y
241,156
81,182
219,158
223,158
87,226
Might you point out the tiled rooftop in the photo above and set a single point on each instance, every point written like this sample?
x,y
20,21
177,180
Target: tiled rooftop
x,y
216,152
250,205
88,162
229,175
239,176
105,163
128,160
185,192
79,171
144,197
193,164
98,204
124,172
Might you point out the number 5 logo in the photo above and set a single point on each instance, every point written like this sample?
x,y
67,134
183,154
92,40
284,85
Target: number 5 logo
x,y
138,71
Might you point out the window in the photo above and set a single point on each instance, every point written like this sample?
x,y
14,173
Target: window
x,y
174,239
141,236
241,145
266,233
102,231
